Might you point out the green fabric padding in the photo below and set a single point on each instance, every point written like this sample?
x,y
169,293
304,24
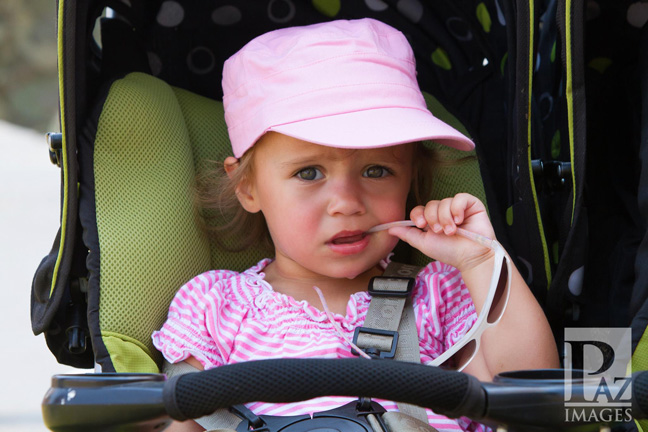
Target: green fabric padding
x,y
128,355
150,141
205,122
144,174
462,173
640,363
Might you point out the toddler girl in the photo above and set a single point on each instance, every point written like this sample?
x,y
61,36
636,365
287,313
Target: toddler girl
x,y
325,123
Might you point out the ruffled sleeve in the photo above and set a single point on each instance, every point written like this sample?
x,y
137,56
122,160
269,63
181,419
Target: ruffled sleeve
x,y
192,327
452,312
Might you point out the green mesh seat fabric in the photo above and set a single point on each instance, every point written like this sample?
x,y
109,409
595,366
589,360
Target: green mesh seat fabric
x,y
150,139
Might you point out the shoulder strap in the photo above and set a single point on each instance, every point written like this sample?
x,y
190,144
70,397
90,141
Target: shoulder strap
x,y
389,329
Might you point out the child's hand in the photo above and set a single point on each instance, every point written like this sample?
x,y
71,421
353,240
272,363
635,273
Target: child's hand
x,y
439,221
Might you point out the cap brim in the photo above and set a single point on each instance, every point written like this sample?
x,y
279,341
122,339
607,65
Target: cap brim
x,y
376,128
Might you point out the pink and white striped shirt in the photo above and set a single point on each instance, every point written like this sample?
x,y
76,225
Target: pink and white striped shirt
x,y
222,317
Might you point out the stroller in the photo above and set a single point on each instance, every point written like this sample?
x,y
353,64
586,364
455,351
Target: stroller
x,y
140,90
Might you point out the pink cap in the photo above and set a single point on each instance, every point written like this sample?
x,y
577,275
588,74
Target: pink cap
x,y
347,84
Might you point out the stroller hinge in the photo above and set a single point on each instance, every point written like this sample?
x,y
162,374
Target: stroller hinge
x,y
55,144
77,330
554,173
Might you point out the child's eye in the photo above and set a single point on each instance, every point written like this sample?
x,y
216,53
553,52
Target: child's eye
x,y
310,173
376,171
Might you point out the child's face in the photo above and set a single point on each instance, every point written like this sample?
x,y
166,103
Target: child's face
x,y
319,202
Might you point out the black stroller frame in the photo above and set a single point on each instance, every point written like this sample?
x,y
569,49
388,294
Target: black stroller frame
x,y
555,110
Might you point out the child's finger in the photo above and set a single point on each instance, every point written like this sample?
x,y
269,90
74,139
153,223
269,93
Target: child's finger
x,y
431,214
418,217
458,207
446,217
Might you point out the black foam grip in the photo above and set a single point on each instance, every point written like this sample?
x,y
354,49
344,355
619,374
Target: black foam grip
x,y
291,380
640,395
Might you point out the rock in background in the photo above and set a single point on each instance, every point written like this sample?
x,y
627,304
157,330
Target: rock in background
x,y
28,55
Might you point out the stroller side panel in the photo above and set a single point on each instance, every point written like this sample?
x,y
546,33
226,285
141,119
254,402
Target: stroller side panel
x,y
54,306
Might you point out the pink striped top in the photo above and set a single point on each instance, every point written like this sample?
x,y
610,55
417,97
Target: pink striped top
x,y
222,317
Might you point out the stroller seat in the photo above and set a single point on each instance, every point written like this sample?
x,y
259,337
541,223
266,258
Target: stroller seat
x,y
149,140
137,170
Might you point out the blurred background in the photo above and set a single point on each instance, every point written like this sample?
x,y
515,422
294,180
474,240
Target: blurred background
x,y
28,79
29,202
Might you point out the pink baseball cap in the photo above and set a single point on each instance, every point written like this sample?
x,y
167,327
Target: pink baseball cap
x,y
347,84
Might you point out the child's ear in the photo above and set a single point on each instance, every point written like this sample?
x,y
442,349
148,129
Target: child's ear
x,y
245,191
230,165
246,194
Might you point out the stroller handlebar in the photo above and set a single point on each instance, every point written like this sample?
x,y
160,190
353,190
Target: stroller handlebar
x,y
105,401
194,395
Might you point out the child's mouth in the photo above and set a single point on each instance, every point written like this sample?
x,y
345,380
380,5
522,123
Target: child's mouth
x,y
348,239
349,242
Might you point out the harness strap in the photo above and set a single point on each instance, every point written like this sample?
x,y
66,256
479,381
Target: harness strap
x,y
391,311
375,424
398,421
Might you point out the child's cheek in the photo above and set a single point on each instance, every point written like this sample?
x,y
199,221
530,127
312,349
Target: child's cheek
x,y
300,226
392,208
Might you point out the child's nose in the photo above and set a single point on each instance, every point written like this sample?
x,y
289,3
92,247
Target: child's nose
x,y
346,199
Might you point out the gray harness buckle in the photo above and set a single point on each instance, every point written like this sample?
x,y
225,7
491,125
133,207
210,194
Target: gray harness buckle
x,y
374,342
